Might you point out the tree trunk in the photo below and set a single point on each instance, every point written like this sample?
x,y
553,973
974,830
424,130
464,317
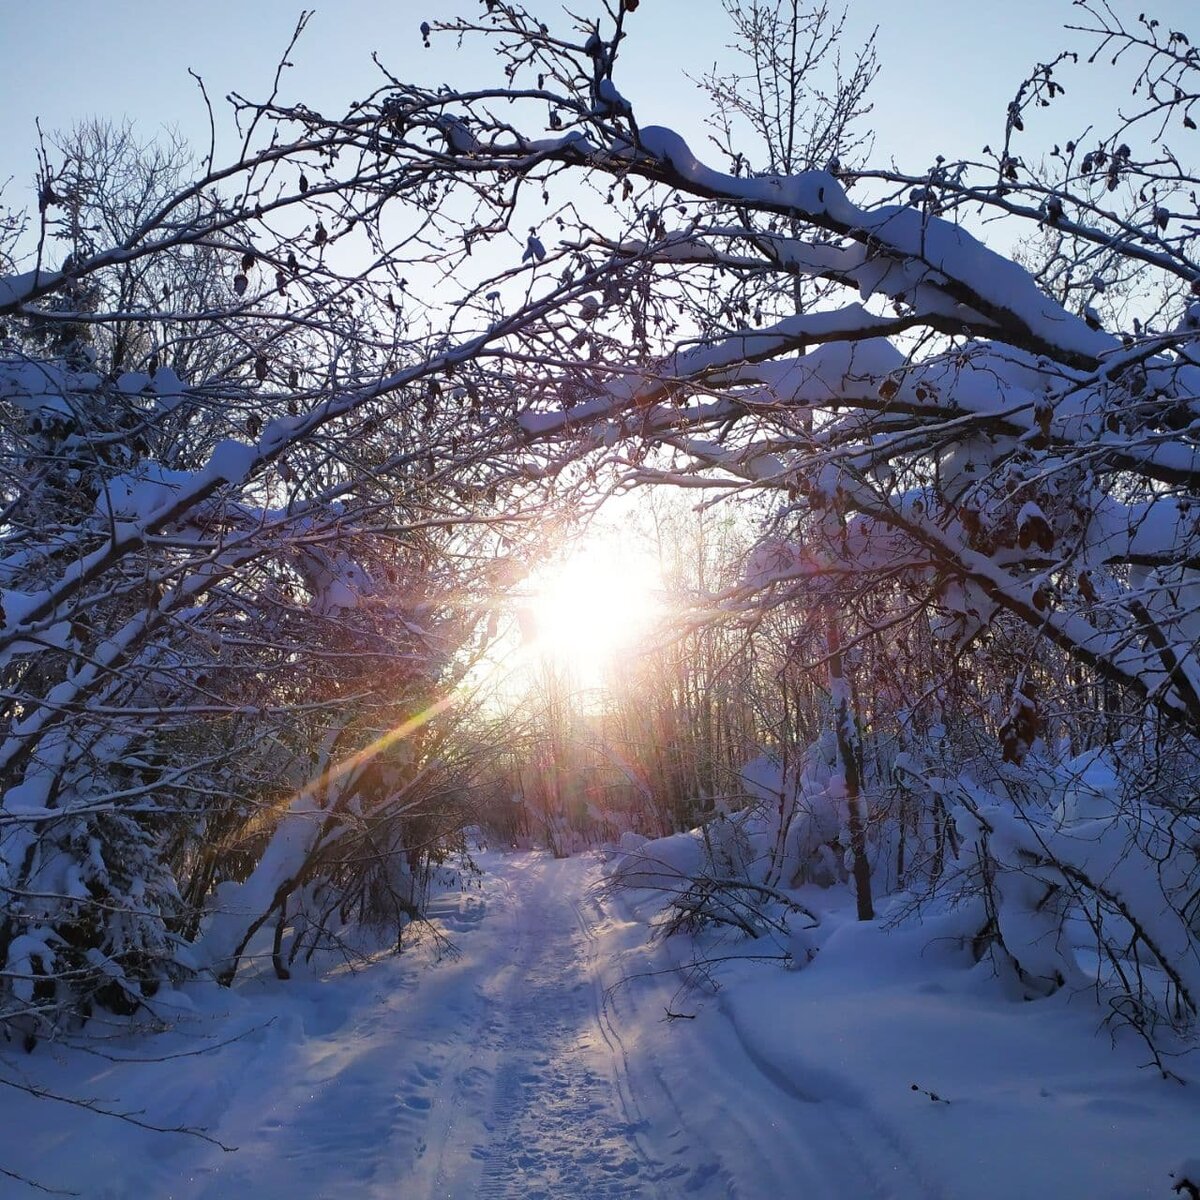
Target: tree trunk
x,y
848,761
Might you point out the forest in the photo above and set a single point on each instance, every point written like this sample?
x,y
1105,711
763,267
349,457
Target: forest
x,y
297,427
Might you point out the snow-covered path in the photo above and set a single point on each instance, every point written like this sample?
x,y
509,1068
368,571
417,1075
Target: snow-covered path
x,y
492,1074
530,1105
537,1062
514,1070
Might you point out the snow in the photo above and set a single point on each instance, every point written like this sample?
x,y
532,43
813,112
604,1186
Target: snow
x,y
852,1045
1032,1103
611,100
140,497
35,387
136,495
536,1061
914,254
232,461
15,607
132,383
237,905
1090,790
16,289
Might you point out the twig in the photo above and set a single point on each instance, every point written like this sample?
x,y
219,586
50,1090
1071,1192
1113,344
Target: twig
x,y
92,1107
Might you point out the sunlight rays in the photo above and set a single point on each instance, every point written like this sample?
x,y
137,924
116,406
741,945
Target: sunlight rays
x,y
383,742
585,614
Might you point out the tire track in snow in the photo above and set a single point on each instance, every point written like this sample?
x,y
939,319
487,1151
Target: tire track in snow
x,y
717,1140
457,1107
362,1090
672,1169
500,1174
871,1150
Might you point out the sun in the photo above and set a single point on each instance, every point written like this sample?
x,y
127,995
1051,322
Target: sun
x,y
585,613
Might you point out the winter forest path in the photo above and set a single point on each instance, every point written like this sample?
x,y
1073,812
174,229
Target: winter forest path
x,y
515,1069
537,1062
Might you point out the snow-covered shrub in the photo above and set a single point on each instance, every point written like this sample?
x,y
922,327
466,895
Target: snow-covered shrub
x,y
193,696
784,829
660,863
93,797
1082,877
798,819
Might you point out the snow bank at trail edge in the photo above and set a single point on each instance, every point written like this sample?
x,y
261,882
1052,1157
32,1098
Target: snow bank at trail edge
x,y
246,1065
916,1049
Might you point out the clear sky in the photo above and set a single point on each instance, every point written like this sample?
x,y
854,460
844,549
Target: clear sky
x,y
948,66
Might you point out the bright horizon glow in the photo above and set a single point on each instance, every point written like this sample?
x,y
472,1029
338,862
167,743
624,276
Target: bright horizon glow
x,y
586,612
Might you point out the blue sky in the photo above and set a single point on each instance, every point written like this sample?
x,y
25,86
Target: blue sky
x,y
949,66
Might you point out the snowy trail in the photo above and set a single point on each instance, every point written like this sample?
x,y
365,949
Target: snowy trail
x,y
517,1069
537,1112
486,1075
745,1128
538,1063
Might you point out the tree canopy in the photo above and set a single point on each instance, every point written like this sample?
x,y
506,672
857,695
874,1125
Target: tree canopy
x,y
278,434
